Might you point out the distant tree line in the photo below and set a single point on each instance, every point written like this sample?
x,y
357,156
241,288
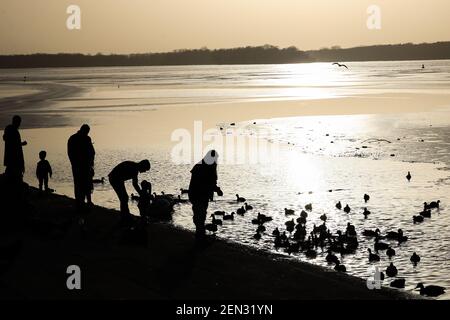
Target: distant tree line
x,y
408,51
266,54
246,55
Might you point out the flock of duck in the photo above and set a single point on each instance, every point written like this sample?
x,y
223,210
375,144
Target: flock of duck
x,y
295,238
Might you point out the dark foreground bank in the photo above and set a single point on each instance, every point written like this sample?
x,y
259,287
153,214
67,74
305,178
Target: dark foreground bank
x,y
161,262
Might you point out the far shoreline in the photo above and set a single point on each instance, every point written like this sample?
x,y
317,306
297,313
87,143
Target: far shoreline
x,y
248,55
217,64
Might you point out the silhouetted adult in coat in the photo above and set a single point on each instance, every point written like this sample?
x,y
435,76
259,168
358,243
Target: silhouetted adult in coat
x,y
201,190
13,158
81,153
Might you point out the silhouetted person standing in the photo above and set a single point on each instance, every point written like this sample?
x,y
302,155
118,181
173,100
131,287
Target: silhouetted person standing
x,y
127,170
201,190
43,171
14,160
81,153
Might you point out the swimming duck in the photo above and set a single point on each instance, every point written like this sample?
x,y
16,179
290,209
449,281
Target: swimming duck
x,y
215,221
373,257
261,228
289,212
290,225
263,218
398,283
331,258
248,207
430,291
304,214
219,213
240,199
301,220
408,176
402,239
434,204
418,219
351,230
366,213
415,258
276,232
229,216
240,211
319,229
340,267
390,252
371,233
426,213
393,235
97,181
379,246
339,205
391,271
366,198
323,217
347,209
299,235
308,207
211,227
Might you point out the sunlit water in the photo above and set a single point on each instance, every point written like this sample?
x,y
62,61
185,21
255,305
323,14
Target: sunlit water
x,y
349,155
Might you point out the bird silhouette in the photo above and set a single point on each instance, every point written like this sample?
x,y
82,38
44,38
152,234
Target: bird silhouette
x,y
408,176
340,65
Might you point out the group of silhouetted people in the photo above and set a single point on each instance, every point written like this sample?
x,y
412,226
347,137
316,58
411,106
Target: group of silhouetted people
x,y
81,153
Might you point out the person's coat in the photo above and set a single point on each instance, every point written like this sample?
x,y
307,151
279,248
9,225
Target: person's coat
x,y
81,151
13,148
203,182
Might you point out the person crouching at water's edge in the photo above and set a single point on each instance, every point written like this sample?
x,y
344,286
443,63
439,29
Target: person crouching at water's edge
x,y
201,190
127,170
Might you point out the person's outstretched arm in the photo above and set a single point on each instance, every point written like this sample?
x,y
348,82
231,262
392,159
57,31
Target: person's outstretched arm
x,y
136,185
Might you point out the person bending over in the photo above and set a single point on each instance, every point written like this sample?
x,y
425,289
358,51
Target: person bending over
x,y
127,170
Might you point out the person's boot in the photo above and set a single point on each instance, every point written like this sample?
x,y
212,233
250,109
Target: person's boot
x,y
201,240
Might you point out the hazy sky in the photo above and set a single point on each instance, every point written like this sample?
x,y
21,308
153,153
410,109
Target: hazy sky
x,y
125,26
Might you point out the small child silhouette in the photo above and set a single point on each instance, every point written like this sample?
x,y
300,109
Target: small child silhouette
x,y
43,171
144,198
